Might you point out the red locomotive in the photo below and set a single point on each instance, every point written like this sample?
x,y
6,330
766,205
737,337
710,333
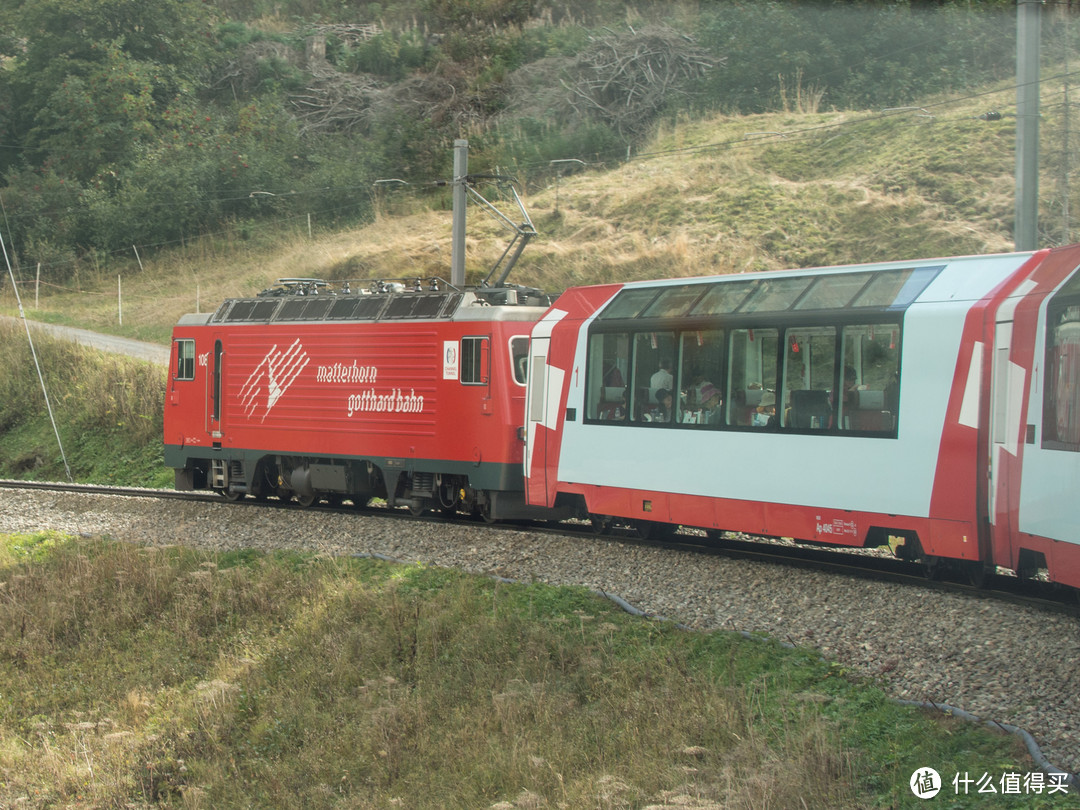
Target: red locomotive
x,y
406,393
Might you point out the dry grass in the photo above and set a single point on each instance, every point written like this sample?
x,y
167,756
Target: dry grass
x,y
162,676
726,194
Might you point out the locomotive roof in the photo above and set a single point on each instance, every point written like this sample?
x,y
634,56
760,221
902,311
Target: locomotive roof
x,y
449,305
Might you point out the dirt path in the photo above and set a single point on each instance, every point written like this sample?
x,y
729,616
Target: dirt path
x,y
150,352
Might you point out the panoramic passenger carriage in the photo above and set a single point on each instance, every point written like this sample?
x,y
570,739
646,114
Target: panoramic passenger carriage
x,y
412,395
931,405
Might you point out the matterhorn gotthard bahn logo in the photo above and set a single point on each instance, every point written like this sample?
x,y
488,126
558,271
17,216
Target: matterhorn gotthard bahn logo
x,y
272,378
280,368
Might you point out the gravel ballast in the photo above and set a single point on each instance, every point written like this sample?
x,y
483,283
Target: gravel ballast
x,y
1002,662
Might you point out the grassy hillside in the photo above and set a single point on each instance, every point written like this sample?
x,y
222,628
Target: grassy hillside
x,y
726,194
720,195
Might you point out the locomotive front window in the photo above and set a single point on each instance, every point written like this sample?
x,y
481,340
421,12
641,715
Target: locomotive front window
x,y
185,360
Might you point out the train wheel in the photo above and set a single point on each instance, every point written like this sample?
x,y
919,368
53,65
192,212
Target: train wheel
x,y
307,500
652,530
417,509
974,571
600,523
931,567
231,495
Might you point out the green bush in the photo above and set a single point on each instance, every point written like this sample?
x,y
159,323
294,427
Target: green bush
x,y
109,410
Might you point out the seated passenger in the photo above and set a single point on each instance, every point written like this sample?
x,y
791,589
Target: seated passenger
x,y
661,412
765,413
711,406
613,405
661,380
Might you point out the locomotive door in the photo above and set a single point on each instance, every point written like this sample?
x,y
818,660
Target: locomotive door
x,y
215,392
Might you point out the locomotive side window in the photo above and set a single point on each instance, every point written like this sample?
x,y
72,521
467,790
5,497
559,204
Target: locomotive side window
x,y
185,360
475,359
219,353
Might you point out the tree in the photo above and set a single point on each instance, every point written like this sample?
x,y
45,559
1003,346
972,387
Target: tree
x,y
93,67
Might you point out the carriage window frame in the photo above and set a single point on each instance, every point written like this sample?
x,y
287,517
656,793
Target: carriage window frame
x,y
848,304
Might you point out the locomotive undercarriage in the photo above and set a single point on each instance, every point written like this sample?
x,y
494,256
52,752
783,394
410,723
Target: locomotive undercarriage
x,y
308,480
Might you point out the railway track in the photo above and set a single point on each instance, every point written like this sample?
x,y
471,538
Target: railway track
x,y
866,564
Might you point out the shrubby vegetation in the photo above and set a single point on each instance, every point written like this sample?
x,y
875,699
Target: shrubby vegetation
x,y
152,123
108,410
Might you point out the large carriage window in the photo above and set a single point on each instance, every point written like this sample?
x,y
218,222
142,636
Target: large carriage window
x,y
1061,405
809,378
185,360
871,382
653,377
751,381
701,377
608,376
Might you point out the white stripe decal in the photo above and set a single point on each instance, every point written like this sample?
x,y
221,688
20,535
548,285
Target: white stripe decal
x,y
969,408
546,324
1008,307
554,394
1017,384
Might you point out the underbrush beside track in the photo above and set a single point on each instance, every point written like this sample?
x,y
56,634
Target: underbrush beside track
x,y
108,411
173,677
